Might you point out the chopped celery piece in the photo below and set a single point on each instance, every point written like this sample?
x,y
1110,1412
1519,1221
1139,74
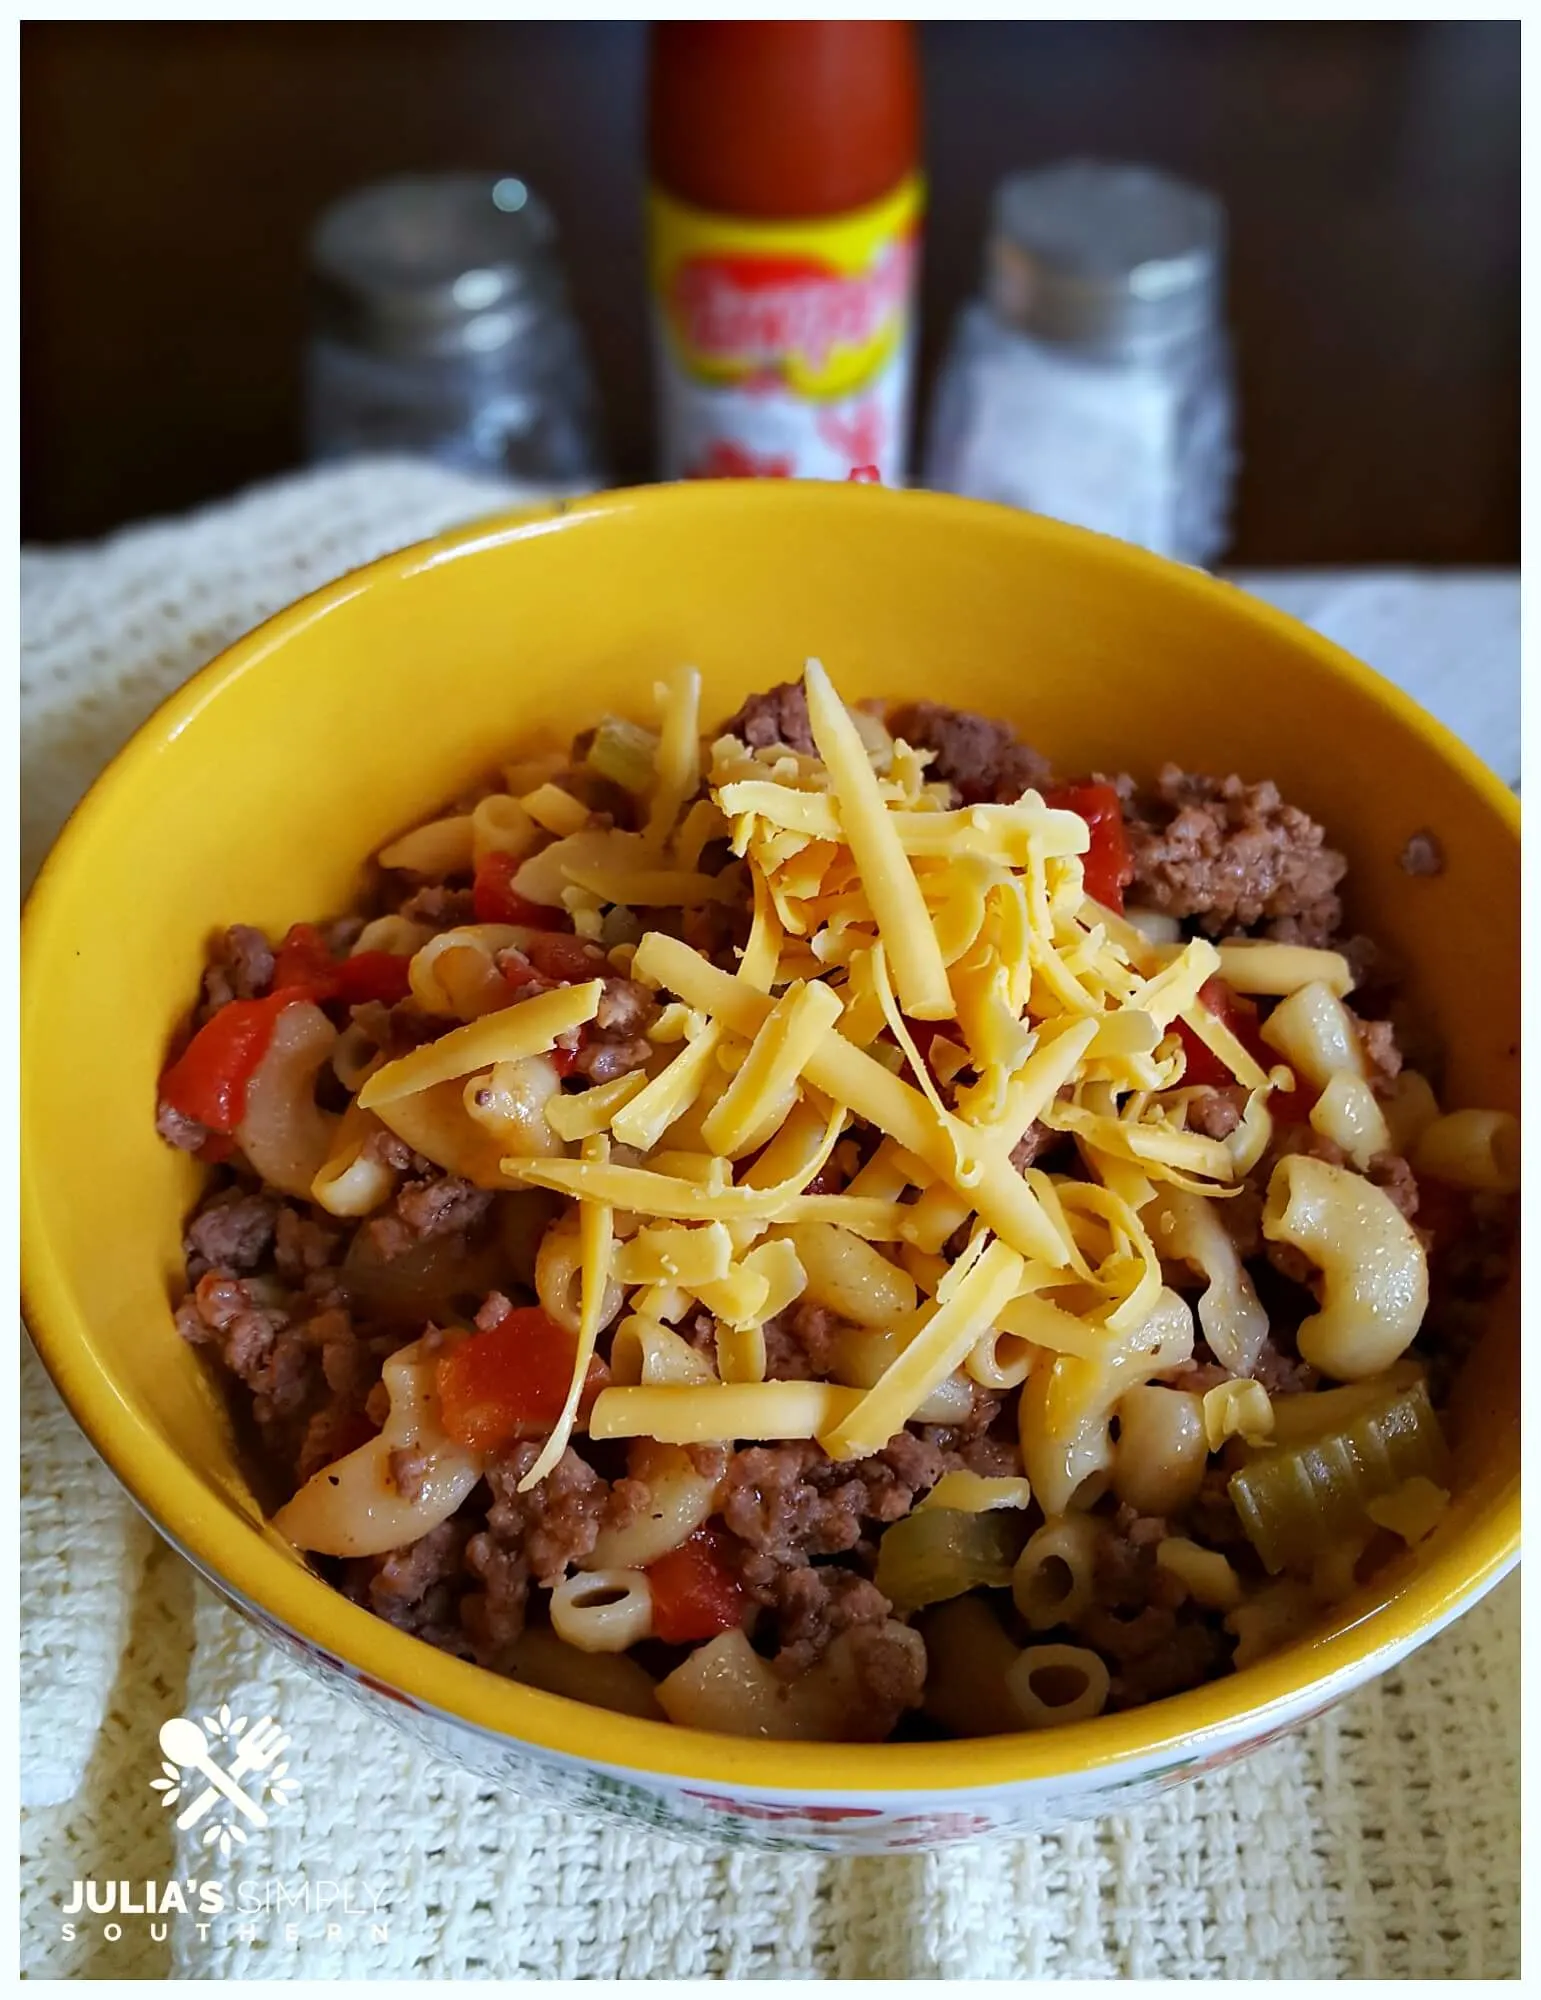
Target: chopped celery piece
x,y
625,753
1302,1500
941,1552
1313,1413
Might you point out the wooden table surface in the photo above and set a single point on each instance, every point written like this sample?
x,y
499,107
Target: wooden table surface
x,y
170,173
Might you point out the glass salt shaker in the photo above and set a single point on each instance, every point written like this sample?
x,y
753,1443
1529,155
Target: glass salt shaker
x,y
1092,382
441,329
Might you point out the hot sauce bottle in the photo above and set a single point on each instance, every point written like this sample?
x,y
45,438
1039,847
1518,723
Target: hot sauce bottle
x,y
784,233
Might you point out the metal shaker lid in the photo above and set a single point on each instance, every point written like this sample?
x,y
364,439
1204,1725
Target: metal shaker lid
x,y
1111,259
435,265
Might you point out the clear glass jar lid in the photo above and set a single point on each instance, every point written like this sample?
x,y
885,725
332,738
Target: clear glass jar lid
x,y
435,266
1111,259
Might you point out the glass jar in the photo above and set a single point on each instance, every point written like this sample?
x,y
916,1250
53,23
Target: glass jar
x,y
1092,381
441,329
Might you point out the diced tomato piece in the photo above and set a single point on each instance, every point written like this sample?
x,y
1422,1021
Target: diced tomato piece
x,y
511,1381
305,961
210,1079
563,1060
371,975
1106,866
864,475
695,1592
495,900
1203,1066
1200,1063
304,958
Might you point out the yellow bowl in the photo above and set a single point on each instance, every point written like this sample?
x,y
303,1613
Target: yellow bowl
x,y
257,790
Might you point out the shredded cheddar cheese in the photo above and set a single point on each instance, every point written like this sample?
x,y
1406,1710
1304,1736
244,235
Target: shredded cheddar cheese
x,y
888,878
596,1231
934,1352
975,1493
917,986
712,1413
529,1027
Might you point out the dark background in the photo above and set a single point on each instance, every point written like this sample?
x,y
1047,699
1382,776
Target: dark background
x,y
169,174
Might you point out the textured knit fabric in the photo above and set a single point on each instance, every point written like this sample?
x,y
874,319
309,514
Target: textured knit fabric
x,y
1380,1841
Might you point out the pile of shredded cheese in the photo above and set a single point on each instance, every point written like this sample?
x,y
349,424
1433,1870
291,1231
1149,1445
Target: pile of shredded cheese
x,y
875,905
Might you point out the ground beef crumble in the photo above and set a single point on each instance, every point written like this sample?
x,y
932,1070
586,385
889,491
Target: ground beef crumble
x,y
1383,1058
439,1205
780,715
799,1343
439,906
233,1233
1217,1112
1232,856
1155,1643
416,1588
240,967
1033,1144
790,1502
1423,855
813,1604
983,761
178,1130
556,1523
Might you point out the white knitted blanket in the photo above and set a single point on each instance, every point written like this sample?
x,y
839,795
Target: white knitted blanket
x,y
1380,1841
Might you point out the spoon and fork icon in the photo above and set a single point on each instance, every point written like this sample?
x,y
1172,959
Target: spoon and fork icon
x,y
186,1746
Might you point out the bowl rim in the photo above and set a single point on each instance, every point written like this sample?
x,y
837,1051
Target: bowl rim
x,y
250,1564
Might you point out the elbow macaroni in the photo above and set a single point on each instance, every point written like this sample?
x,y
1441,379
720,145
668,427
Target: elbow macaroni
x,y
999,1360
397,935
350,1181
1314,1032
862,1355
1348,1113
1065,1413
1471,1149
849,1277
558,1278
1375,1280
1409,1107
284,1133
1186,1226
1055,1578
678,1500
1057,1684
602,1611
644,1350
443,847
1161,1451
455,973
500,825
511,1100
357,1507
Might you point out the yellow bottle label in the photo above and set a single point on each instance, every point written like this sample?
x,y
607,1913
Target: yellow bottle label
x,y
785,348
